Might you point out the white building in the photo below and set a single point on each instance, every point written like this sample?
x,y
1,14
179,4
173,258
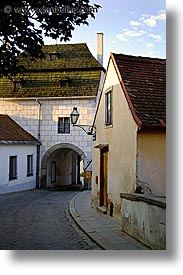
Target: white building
x,y
41,100
18,157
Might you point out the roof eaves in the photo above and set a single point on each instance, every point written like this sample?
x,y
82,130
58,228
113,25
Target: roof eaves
x,y
19,142
101,90
152,128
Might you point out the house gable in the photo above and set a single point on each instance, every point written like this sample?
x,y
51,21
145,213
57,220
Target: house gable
x,y
144,85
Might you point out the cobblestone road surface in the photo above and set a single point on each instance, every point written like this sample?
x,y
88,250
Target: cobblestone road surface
x,y
40,220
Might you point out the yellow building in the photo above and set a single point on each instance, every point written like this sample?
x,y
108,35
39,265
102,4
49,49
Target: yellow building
x,y
130,144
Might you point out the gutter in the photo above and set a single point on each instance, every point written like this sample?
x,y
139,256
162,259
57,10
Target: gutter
x,y
19,142
47,98
39,118
38,146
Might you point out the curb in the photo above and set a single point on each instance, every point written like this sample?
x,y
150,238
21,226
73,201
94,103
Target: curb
x,y
82,224
105,233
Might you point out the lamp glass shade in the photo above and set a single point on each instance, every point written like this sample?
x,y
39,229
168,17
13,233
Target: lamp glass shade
x,y
74,115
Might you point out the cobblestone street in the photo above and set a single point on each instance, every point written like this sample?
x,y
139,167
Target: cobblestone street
x,y
40,220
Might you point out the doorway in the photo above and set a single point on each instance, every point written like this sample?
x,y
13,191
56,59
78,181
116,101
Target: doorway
x,y
103,176
61,165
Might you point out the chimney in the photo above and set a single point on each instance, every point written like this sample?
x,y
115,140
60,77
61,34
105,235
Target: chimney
x,y
100,48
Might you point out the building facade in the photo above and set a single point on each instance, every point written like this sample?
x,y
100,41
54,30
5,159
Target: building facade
x,y
18,157
41,100
129,153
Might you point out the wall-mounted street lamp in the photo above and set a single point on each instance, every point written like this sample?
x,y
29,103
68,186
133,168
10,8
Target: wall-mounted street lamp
x,y
74,118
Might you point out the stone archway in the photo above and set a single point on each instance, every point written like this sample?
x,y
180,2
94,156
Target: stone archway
x,y
66,155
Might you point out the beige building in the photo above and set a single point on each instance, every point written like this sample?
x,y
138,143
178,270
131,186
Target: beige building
x,y
130,144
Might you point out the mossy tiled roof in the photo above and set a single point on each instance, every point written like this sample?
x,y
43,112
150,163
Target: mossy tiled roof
x,y
75,73
71,56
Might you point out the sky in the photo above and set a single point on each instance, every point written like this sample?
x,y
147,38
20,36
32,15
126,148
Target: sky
x,y
133,27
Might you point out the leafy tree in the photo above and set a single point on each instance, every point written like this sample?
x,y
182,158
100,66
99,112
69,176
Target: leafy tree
x,y
23,24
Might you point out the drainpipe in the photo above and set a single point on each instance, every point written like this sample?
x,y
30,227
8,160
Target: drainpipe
x,y
38,146
39,115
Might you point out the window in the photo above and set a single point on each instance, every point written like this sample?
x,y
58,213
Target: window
x,y
17,84
13,167
54,56
64,125
29,165
108,107
65,81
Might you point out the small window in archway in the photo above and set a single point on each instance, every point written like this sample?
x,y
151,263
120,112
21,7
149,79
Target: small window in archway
x,y
64,125
53,171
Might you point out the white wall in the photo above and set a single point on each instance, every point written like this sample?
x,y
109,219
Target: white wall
x,y
22,182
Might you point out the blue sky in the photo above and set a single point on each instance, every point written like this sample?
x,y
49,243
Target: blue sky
x,y
135,27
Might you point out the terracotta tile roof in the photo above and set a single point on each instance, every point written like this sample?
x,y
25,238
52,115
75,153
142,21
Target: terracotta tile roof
x,y
75,73
144,79
10,131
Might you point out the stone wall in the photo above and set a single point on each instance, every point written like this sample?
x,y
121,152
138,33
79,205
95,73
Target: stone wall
x,y
144,218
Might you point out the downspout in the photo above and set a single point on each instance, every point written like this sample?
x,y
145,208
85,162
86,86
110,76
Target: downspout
x,y
38,146
39,120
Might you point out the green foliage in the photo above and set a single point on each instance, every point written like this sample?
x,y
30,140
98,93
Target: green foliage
x,y
23,24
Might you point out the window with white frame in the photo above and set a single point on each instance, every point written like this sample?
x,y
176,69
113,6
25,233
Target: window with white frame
x,y
108,108
12,167
64,125
29,165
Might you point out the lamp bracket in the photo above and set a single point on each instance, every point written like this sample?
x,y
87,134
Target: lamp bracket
x,y
91,129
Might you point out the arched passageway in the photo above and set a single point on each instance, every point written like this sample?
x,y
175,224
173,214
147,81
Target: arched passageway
x,y
61,165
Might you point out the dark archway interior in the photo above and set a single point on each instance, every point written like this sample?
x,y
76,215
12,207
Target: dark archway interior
x,y
63,168
60,165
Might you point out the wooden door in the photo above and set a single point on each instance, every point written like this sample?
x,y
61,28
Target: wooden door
x,y
103,178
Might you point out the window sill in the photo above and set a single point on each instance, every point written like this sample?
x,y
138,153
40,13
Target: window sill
x,y
15,178
63,133
108,126
29,175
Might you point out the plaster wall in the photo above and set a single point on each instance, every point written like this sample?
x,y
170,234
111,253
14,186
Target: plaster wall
x,y
152,161
144,218
121,138
22,182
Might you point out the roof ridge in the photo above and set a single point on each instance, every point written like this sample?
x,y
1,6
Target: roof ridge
x,y
140,58
80,43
